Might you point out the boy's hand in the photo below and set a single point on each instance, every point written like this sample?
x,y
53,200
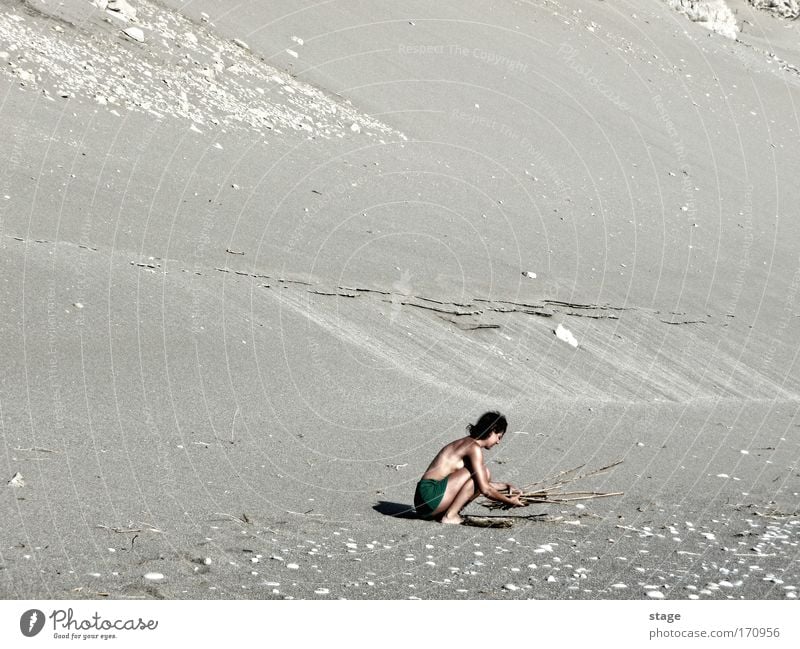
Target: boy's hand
x,y
513,491
517,501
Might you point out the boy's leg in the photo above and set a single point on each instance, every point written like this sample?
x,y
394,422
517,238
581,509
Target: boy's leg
x,y
461,490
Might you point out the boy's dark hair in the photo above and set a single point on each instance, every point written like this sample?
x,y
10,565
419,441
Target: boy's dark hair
x,y
489,421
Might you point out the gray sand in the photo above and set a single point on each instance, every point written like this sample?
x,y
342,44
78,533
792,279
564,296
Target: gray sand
x,y
245,295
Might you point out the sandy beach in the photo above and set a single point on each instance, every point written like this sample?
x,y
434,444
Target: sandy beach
x,y
259,263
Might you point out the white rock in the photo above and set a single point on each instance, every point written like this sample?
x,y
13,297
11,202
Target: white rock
x,y
122,7
135,33
551,578
241,44
529,274
292,53
292,566
714,15
562,333
355,128
322,591
154,576
511,587
16,480
655,594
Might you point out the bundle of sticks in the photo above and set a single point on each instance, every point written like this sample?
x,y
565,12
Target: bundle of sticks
x,y
553,490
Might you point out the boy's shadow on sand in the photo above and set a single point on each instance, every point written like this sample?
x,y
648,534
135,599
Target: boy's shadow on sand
x,y
398,510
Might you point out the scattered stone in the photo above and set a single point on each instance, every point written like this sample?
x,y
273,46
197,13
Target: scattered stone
x,y
783,8
655,594
16,480
242,44
154,576
714,15
510,587
562,333
123,8
134,33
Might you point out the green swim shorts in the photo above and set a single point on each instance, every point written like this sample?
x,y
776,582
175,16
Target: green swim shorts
x,y
428,495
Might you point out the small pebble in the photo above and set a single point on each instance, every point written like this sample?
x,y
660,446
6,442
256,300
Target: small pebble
x,y
135,33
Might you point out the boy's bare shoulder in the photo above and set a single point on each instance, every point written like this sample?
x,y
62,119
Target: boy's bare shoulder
x,y
465,446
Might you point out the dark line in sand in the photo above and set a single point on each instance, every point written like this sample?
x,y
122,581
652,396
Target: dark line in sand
x,y
364,290
683,322
432,308
330,293
594,317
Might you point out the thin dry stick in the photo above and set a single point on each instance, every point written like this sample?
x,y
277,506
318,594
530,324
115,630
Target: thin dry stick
x,y
239,519
560,479
36,448
553,492
233,424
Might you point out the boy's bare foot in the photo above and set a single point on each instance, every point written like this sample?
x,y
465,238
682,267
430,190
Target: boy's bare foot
x,y
452,520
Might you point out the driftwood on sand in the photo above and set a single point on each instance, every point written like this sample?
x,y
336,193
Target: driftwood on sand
x,y
552,490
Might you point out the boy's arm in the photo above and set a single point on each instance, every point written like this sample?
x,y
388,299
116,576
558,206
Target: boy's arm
x,y
507,486
488,489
